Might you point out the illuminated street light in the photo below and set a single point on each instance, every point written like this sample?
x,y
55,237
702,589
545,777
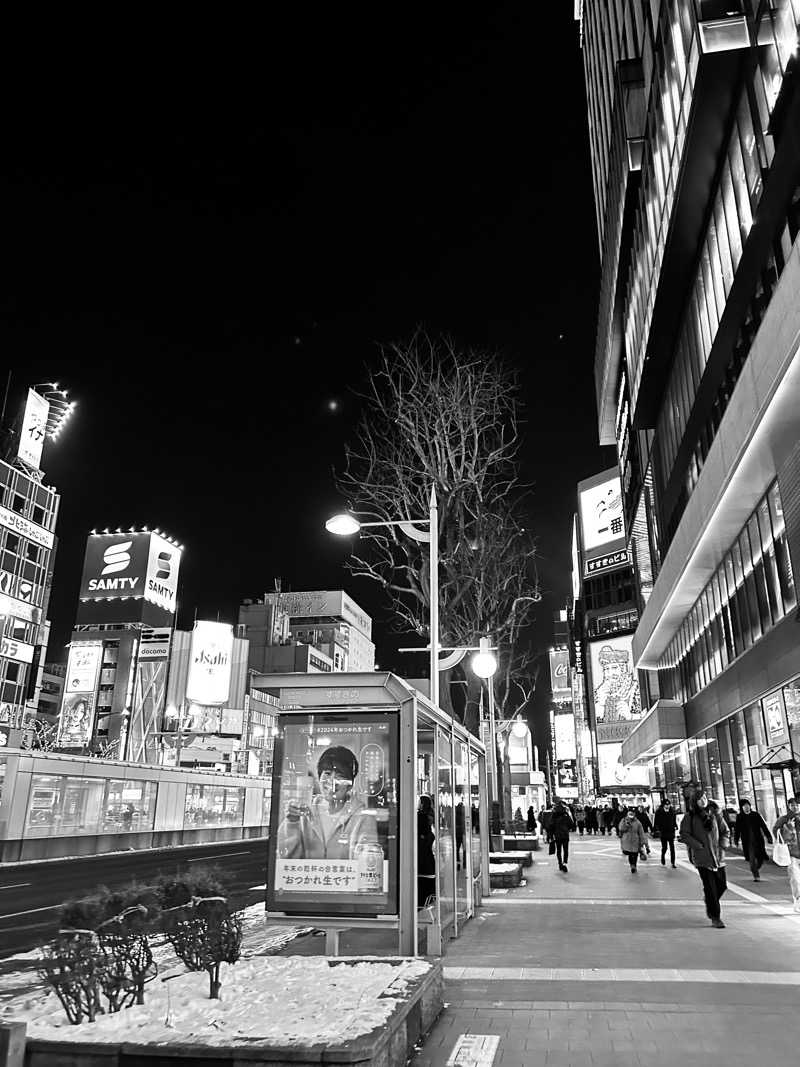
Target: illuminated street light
x,y
484,662
344,525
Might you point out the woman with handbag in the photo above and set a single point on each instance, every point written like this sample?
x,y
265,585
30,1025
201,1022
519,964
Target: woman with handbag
x,y
787,834
631,838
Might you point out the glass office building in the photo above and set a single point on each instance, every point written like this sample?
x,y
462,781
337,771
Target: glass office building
x,y
693,116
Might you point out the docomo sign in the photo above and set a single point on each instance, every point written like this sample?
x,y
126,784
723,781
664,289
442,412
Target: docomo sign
x,y
209,678
136,565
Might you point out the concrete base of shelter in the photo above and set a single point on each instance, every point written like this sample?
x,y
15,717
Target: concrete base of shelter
x,y
389,1045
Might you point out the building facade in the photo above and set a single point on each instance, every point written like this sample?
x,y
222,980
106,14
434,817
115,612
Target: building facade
x,y
28,515
694,131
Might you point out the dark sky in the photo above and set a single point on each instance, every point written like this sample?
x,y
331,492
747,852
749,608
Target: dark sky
x,y
207,247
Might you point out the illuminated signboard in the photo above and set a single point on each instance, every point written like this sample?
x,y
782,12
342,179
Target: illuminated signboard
x,y
139,567
567,771
80,687
609,562
564,734
560,682
209,680
333,843
601,514
12,520
613,771
576,561
615,685
34,428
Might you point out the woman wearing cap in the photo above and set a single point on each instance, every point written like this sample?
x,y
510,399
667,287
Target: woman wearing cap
x,y
335,823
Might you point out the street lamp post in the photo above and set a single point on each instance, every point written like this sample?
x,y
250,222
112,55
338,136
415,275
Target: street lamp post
x,y
347,524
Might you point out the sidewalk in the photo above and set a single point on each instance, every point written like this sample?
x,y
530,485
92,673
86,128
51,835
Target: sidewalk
x,y
601,968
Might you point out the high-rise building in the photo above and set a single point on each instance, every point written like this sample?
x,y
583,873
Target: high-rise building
x,y
329,621
694,131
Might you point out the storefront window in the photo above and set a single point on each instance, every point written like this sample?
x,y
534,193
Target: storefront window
x,y
726,765
715,770
741,759
791,699
213,805
129,806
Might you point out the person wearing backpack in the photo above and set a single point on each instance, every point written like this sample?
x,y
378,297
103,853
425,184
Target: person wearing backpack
x,y
665,822
705,834
631,837
753,832
788,826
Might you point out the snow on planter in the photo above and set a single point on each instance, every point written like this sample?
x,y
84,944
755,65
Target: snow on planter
x,y
294,1000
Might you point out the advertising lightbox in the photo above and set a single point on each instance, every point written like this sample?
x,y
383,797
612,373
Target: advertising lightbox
x,y
333,844
616,700
560,682
140,568
601,514
209,680
34,428
614,773
576,561
76,719
567,772
564,732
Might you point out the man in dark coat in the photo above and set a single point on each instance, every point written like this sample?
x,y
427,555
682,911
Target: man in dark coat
x,y
753,832
705,834
561,824
665,823
590,819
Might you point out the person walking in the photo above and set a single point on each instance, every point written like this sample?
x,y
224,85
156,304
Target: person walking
x,y
753,832
590,819
580,818
788,826
561,825
531,822
665,822
608,824
545,815
631,837
705,834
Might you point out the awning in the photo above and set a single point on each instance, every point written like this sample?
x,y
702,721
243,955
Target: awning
x,y
775,757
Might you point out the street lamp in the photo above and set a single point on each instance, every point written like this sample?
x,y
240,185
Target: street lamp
x,y
346,524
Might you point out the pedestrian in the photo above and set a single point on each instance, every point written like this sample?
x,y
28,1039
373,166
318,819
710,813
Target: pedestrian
x,y
580,818
531,824
643,817
545,815
665,822
631,838
705,834
561,825
607,824
788,826
426,862
461,822
616,814
753,832
589,819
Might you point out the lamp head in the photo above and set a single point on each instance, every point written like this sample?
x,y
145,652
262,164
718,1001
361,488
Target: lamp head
x,y
343,525
484,663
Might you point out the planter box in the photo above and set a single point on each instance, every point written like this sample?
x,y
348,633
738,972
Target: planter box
x,y
505,875
526,842
388,1045
525,858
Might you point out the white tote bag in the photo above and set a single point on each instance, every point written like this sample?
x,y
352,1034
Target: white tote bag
x,y
780,851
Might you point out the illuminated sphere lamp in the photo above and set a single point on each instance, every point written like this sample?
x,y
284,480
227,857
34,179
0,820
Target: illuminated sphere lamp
x,y
519,729
484,663
343,525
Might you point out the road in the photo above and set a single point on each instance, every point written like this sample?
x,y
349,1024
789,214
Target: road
x,y
31,893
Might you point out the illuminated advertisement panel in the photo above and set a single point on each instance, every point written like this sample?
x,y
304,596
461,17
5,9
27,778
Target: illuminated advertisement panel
x,y
209,680
615,687
576,561
76,719
34,428
567,771
613,773
333,844
114,566
564,729
139,568
560,682
601,514
161,580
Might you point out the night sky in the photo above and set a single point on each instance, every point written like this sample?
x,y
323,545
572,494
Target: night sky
x,y
207,249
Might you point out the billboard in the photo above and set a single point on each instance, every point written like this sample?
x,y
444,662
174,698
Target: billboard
x,y
209,679
567,772
136,566
316,603
76,719
560,682
34,428
613,773
601,514
576,561
610,561
564,733
333,844
615,687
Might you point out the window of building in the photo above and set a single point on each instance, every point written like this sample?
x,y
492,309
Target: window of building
x,y
129,806
213,805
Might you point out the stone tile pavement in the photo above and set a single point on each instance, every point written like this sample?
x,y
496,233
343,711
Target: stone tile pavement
x,y
601,968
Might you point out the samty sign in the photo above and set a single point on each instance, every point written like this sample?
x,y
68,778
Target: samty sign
x,y
137,566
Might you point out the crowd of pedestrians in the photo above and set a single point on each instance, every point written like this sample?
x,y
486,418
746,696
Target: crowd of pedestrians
x,y
706,829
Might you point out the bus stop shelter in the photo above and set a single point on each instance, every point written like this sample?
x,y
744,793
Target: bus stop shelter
x,y
353,755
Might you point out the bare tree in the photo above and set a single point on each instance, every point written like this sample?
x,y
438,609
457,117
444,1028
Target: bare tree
x,y
435,416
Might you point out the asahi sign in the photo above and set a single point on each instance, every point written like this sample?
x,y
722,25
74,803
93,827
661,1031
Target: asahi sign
x,y
210,659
